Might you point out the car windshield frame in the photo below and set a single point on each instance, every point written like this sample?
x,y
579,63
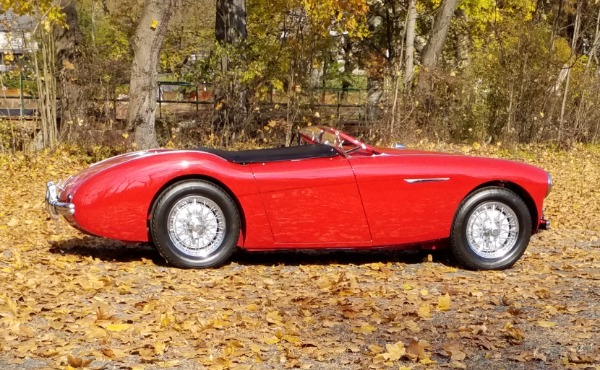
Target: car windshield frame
x,y
343,142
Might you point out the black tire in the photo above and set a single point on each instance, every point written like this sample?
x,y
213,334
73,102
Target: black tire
x,y
472,229
190,212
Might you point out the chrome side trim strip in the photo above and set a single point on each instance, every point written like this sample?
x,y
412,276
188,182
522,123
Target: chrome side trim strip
x,y
428,179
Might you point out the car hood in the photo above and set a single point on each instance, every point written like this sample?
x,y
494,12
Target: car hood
x,y
468,164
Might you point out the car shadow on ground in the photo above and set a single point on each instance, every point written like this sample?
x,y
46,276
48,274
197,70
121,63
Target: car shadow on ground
x,y
116,251
106,250
341,257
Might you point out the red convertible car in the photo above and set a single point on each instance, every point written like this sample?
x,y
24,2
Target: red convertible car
x,y
329,191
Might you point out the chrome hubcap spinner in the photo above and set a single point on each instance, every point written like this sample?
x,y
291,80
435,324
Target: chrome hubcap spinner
x,y
492,230
196,225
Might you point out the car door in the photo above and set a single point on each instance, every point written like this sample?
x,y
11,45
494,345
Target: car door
x,y
407,198
312,202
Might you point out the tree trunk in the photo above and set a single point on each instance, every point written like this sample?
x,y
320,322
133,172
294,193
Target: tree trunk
x,y
230,30
374,94
410,43
463,41
146,43
230,22
555,27
67,41
435,45
592,53
347,77
572,60
584,105
45,68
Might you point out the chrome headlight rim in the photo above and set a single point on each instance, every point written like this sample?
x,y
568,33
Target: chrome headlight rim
x,y
550,183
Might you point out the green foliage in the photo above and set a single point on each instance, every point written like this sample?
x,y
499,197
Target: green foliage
x,y
110,39
10,79
190,35
290,40
47,12
511,85
6,135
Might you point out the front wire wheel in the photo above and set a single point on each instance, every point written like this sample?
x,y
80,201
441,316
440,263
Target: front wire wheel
x,y
195,224
491,229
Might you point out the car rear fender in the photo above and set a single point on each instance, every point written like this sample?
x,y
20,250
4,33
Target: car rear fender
x,y
116,202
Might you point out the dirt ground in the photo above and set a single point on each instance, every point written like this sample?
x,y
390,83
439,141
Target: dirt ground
x,y
70,301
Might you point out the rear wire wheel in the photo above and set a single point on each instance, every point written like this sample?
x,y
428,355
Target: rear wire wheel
x,y
491,229
195,224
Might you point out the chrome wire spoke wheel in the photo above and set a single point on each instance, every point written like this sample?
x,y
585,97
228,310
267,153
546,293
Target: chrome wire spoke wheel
x,y
492,230
196,225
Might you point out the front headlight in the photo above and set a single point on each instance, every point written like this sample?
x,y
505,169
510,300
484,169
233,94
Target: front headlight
x,y
550,183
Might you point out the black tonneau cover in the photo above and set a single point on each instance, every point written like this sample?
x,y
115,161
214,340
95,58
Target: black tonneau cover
x,y
274,154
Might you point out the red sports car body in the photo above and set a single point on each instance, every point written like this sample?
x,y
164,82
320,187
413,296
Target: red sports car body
x,y
331,191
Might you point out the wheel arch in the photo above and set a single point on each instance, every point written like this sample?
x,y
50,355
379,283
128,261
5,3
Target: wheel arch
x,y
209,179
521,192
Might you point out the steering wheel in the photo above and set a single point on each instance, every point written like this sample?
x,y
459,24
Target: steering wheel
x,y
296,137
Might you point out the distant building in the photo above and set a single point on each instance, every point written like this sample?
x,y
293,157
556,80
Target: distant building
x,y
15,39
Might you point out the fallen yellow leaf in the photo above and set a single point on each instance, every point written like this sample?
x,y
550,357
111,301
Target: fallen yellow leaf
x,y
375,349
546,324
394,351
444,303
365,329
117,327
272,340
424,311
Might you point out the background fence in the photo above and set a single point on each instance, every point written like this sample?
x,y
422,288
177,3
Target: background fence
x,y
17,102
182,100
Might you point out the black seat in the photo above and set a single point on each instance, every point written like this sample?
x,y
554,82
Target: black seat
x,y
274,154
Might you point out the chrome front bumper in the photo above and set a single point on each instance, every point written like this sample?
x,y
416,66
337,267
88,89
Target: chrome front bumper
x,y
55,206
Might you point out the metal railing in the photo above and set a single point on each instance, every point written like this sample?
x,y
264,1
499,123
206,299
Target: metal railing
x,y
21,111
173,93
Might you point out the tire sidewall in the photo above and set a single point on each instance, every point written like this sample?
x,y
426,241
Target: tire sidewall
x,y
459,241
159,224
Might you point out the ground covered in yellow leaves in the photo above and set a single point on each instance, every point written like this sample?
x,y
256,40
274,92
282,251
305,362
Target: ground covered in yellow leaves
x,y
70,301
